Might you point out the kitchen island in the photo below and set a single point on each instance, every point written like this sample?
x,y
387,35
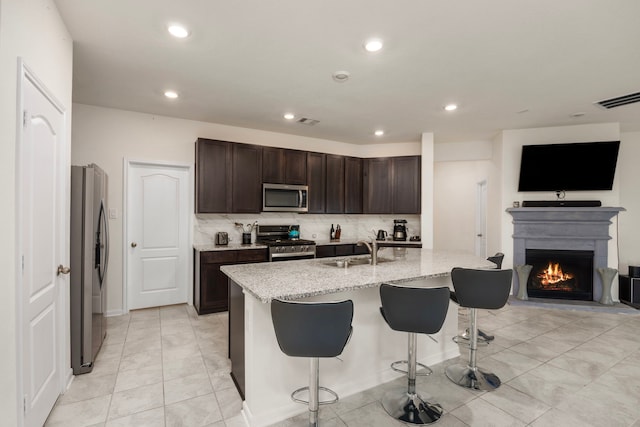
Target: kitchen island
x,y
266,377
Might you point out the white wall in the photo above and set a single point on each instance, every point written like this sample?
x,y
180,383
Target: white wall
x,y
458,168
106,136
51,60
628,177
427,185
455,203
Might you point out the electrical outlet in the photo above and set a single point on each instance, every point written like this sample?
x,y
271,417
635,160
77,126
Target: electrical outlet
x,y
113,213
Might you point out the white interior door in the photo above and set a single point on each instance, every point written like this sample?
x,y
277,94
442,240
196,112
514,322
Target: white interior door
x,y
157,241
481,220
42,211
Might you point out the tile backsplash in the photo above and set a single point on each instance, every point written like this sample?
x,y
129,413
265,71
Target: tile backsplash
x,y
312,226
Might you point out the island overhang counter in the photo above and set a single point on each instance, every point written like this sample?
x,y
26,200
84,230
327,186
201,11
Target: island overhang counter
x,y
265,377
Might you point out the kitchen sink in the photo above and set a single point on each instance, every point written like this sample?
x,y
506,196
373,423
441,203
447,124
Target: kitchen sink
x,y
349,262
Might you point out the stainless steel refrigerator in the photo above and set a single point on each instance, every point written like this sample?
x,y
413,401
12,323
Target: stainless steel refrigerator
x,y
89,261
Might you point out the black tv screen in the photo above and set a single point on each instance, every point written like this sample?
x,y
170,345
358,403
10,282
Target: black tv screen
x,y
581,166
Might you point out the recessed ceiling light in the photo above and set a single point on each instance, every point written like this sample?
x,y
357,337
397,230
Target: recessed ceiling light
x,y
379,132
171,94
178,31
289,116
373,45
450,107
341,76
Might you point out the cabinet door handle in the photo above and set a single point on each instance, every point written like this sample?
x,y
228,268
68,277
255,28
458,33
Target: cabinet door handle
x,y
134,244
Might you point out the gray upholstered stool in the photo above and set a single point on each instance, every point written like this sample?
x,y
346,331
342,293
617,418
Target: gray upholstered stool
x,y
313,330
482,336
416,311
486,289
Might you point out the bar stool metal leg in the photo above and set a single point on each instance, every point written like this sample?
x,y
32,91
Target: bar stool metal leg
x,y
405,404
314,391
471,376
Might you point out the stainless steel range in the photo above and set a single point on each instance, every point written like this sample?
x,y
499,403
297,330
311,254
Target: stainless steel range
x,y
281,246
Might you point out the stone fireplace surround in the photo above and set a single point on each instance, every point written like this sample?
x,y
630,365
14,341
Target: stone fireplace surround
x,y
563,228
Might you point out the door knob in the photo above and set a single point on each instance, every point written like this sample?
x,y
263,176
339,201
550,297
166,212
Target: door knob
x,y
63,270
134,244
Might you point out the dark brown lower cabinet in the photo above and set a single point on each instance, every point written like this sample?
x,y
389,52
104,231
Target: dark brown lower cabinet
x,y
346,249
211,291
236,335
340,249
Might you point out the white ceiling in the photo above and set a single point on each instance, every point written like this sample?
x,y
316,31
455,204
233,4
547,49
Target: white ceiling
x,y
249,61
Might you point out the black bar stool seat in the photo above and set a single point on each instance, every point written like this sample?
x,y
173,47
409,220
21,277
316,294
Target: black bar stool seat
x,y
312,330
416,310
474,289
483,338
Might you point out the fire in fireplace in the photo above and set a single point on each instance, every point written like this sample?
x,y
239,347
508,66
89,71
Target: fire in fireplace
x,y
561,274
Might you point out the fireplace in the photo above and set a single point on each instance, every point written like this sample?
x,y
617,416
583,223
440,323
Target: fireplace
x,y
561,274
562,230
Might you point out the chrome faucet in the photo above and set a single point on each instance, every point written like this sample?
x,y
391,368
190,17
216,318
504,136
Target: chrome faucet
x,y
373,249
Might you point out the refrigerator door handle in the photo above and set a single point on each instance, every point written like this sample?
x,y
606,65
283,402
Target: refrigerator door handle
x,y
102,269
106,238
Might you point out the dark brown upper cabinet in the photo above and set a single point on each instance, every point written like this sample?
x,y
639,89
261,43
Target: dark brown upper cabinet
x,y
229,179
378,185
295,167
406,185
246,178
334,202
352,185
213,176
316,180
391,185
283,166
273,165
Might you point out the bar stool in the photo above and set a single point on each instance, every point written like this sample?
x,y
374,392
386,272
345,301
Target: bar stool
x,y
497,259
313,330
416,311
482,336
487,289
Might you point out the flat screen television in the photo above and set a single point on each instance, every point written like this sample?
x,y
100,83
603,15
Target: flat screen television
x,y
580,166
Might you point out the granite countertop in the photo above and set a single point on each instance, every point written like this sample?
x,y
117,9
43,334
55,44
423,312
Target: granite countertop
x,y
304,278
203,247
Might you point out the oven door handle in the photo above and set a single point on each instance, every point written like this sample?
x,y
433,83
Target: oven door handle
x,y
293,254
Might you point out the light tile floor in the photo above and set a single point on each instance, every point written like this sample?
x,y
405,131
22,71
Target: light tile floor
x,y
168,367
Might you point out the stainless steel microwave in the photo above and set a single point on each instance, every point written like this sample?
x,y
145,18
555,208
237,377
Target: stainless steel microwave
x,y
284,198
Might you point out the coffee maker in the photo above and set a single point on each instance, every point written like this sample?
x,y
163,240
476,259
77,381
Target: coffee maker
x,y
400,230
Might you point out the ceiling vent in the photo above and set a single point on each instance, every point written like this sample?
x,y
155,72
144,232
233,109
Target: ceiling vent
x,y
307,121
619,101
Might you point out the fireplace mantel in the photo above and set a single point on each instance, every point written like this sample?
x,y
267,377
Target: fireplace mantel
x,y
563,228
